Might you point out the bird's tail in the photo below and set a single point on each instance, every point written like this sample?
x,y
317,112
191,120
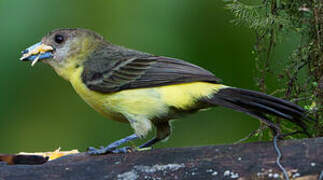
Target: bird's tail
x,y
258,105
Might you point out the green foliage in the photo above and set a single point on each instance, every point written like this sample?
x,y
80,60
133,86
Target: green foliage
x,y
272,21
250,15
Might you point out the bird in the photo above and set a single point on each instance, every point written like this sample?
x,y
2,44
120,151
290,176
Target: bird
x,y
145,90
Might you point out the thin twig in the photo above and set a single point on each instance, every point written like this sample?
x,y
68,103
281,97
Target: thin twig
x,y
279,156
260,129
321,175
294,78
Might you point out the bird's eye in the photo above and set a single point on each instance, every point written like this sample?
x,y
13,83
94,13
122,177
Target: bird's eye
x,y
59,38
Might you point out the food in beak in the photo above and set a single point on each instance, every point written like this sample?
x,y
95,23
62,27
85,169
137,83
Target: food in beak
x,y
37,52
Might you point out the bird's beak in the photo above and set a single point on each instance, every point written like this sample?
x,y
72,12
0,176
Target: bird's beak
x,y
37,52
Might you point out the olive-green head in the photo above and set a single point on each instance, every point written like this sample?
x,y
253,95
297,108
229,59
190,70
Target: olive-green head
x,y
62,48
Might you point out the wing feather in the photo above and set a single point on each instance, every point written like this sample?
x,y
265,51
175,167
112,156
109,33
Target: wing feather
x,y
110,74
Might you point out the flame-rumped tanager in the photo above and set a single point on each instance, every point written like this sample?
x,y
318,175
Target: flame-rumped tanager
x,y
146,90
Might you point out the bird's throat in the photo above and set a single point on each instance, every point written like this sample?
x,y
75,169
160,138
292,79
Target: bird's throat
x,y
67,70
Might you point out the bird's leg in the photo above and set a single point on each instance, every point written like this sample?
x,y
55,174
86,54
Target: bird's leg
x,y
112,148
146,146
163,131
150,143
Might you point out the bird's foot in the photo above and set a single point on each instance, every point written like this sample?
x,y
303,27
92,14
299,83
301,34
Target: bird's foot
x,y
106,150
113,147
123,150
98,151
128,149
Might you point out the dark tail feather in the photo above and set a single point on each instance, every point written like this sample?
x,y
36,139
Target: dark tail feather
x,y
258,105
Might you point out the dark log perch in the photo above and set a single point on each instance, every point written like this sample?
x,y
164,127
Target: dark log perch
x,y
303,159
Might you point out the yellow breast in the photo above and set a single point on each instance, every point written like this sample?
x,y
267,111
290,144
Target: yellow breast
x,y
141,102
144,102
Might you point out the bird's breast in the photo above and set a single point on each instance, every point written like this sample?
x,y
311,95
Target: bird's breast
x,y
151,103
138,102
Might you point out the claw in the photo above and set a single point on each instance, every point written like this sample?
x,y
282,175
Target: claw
x,y
125,149
98,151
104,150
112,148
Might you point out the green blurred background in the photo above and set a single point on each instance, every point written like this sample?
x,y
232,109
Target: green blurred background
x,y
39,111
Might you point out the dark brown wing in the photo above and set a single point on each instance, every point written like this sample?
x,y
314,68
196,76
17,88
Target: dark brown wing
x,y
109,75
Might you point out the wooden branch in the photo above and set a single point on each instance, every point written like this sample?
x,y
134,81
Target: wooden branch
x,y
303,159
